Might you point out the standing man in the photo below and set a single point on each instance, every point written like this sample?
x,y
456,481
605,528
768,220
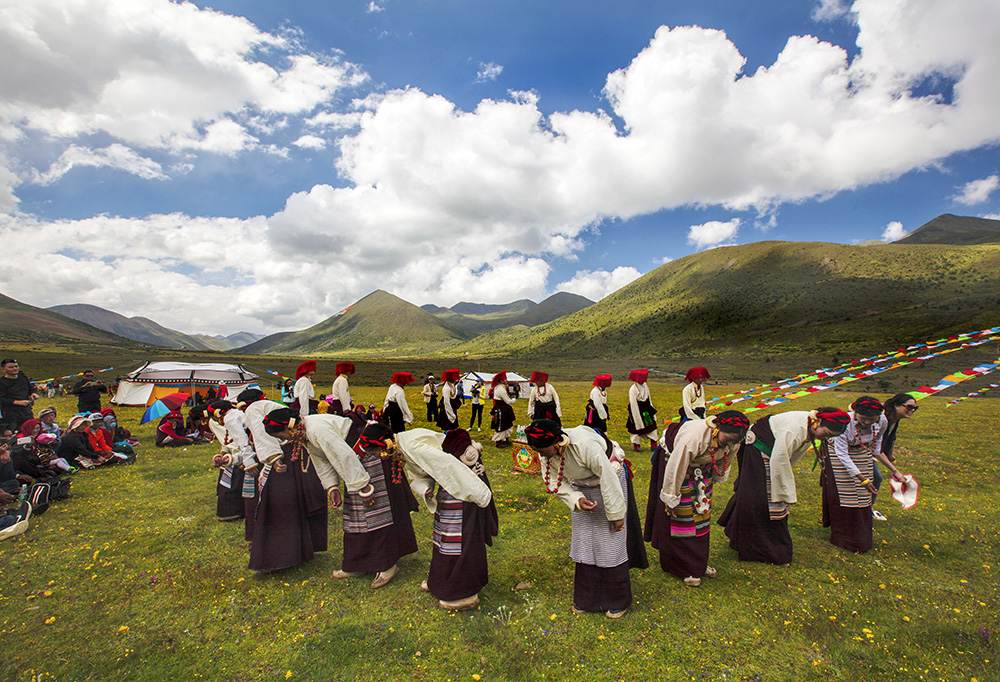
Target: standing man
x,y
429,392
477,406
17,394
88,392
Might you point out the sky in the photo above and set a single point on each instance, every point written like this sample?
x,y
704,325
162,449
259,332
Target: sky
x,y
259,166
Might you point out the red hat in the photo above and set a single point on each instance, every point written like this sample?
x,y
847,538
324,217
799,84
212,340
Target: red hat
x,y
451,375
174,415
497,378
539,377
696,373
639,376
345,368
402,378
602,380
307,366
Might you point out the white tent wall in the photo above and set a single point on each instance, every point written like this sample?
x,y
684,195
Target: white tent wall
x,y
153,380
470,378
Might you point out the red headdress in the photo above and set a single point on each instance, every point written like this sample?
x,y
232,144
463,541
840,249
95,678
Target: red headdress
x,y
539,377
696,373
402,378
602,380
731,420
866,404
345,368
833,415
174,414
307,366
639,376
497,378
451,375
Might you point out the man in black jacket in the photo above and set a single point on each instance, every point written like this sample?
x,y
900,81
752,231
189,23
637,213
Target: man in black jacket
x,y
88,393
17,394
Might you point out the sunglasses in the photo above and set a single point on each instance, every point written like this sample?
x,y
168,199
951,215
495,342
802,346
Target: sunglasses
x,y
912,408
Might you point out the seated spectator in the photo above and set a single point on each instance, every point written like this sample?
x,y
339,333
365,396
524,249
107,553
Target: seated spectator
x,y
48,419
196,427
35,458
101,441
17,394
75,447
118,433
13,521
169,431
10,480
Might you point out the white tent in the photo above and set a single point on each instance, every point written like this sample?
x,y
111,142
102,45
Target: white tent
x,y
470,379
154,380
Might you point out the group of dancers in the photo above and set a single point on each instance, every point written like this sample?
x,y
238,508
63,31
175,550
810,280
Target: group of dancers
x,y
282,467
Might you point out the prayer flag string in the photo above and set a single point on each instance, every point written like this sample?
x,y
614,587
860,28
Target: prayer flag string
x,y
973,395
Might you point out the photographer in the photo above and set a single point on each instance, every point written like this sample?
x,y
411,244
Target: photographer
x,y
88,393
17,394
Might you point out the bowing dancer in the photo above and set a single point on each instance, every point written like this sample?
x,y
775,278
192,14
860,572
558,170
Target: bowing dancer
x,y
290,523
241,456
691,459
898,407
304,392
543,400
847,479
378,531
340,395
394,409
592,480
229,489
465,516
596,414
756,517
502,413
447,416
641,422
693,395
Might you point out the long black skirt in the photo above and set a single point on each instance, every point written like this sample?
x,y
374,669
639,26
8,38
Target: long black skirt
x,y
850,527
683,557
394,415
379,550
602,589
229,501
749,527
250,505
457,576
291,518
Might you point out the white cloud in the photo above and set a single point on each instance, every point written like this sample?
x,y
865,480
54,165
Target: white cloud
x,y
829,10
488,72
310,142
373,7
8,181
991,216
596,284
977,191
713,233
893,231
334,121
115,156
663,261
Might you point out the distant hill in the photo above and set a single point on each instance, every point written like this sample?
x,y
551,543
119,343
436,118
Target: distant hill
x,y
479,318
775,297
221,342
379,323
20,322
139,329
956,230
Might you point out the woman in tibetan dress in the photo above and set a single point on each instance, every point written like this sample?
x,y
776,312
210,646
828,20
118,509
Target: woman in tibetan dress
x,y
229,488
543,400
394,409
596,412
503,417
848,473
756,517
691,459
447,415
340,393
641,422
693,395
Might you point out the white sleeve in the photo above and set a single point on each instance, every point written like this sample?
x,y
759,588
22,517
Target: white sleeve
x,y
599,404
633,405
840,450
335,454
555,396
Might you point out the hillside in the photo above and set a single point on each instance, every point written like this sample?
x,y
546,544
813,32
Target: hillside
x,y
955,230
773,297
138,329
20,322
479,318
378,324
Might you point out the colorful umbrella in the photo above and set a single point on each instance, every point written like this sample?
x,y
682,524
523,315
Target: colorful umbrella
x,y
164,405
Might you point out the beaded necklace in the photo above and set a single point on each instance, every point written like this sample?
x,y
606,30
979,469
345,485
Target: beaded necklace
x,y
725,457
559,478
866,449
299,449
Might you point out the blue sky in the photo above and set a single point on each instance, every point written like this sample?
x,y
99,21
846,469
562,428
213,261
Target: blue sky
x,y
258,165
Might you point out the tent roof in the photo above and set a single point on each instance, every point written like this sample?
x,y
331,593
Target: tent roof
x,y
202,372
487,377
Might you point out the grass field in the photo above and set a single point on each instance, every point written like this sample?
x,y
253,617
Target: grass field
x,y
133,579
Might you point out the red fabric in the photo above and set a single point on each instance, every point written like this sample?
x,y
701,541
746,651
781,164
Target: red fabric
x,y
497,378
345,368
402,378
835,416
99,440
539,377
602,380
28,426
307,366
639,376
696,373
451,375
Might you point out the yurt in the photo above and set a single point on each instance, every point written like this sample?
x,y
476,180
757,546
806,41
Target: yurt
x,y
154,380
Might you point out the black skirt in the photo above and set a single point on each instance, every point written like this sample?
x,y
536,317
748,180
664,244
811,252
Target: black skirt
x,y
453,577
250,505
229,501
379,550
394,415
683,557
602,589
291,518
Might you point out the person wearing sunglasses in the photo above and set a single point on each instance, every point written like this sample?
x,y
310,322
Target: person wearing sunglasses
x,y
897,408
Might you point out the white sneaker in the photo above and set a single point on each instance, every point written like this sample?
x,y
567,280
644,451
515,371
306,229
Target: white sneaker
x,y
878,516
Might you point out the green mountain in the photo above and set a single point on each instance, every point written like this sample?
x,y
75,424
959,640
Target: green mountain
x,y
139,329
23,323
956,230
478,318
378,324
771,297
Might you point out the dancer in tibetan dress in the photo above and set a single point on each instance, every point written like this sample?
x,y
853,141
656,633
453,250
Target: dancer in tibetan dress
x,y
340,394
596,413
503,417
291,518
394,409
543,400
229,489
465,516
589,473
377,529
304,391
240,456
693,395
848,473
756,517
691,459
447,416
641,422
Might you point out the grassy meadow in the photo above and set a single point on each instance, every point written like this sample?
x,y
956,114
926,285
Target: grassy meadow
x,y
134,579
